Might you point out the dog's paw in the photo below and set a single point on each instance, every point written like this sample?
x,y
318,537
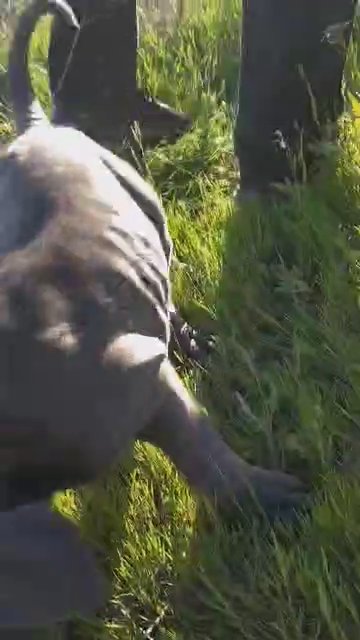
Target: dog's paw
x,y
273,495
190,342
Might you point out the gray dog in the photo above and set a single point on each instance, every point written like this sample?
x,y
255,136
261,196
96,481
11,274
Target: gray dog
x,y
84,369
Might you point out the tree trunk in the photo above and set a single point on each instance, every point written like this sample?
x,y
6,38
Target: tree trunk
x,y
290,83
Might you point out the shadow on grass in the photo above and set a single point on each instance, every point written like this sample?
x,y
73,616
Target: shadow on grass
x,y
283,387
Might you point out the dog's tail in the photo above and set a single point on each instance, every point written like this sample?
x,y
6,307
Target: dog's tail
x,y
47,573
27,108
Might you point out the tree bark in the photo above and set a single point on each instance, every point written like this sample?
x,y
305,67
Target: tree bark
x,y
290,83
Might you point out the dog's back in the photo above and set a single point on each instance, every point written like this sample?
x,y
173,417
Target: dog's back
x,y
94,266
56,181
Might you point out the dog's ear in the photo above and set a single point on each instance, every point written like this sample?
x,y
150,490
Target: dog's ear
x,y
47,573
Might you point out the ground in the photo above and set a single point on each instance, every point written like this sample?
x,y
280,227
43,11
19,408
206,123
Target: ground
x,y
279,287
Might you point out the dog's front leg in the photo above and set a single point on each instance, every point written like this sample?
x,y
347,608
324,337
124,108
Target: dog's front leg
x,y
185,434
189,341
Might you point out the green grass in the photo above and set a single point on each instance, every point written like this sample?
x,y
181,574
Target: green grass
x,y
280,288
